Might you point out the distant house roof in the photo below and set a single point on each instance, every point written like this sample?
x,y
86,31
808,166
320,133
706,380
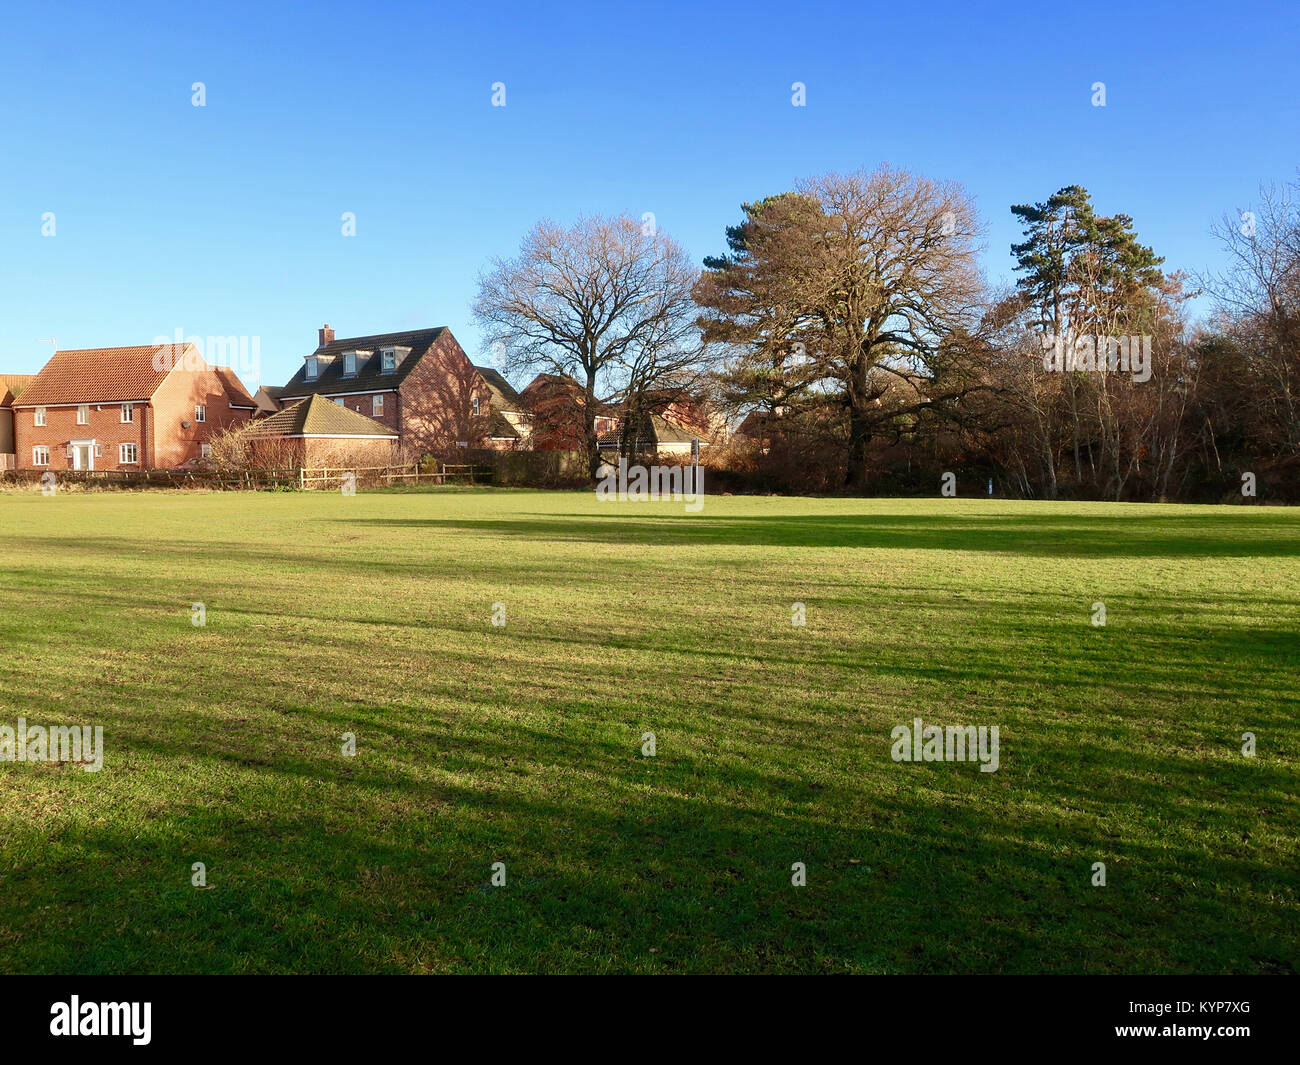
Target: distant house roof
x,y
102,375
318,416
268,398
369,376
548,389
504,397
235,391
656,432
12,385
552,381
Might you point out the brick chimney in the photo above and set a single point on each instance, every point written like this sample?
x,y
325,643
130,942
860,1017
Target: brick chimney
x,y
326,334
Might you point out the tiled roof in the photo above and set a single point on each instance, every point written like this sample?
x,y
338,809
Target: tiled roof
x,y
12,385
547,389
504,397
368,377
318,416
268,398
552,381
102,375
660,432
236,393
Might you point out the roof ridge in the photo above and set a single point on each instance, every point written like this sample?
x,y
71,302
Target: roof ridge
x,y
380,336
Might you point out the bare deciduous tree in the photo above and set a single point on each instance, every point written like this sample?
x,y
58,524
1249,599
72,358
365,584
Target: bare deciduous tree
x,y
1258,304
606,302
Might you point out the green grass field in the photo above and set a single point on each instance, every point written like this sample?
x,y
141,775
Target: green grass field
x,y
522,744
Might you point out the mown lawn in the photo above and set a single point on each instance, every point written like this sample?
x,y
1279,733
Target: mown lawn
x,y
522,744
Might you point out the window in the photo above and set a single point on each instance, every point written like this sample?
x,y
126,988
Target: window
x,y
476,406
83,414
376,406
41,455
200,413
313,369
388,361
38,418
128,412
349,366
205,451
127,454
339,401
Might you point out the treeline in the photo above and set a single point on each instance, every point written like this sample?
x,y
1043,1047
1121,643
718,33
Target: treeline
x,y
848,334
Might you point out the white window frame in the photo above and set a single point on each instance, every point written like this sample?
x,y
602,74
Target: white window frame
x,y
128,412
376,406
38,416
205,451
388,361
350,364
83,414
200,412
475,402
37,459
342,401
122,452
312,372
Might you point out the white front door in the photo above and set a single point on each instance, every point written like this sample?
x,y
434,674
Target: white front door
x,y
83,456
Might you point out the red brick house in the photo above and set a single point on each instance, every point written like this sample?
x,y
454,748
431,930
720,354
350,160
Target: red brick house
x,y
154,406
419,383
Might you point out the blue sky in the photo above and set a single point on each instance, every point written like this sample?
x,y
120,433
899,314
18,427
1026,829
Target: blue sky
x,y
226,219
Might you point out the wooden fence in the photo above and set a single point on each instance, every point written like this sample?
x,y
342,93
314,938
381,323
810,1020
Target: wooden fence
x,y
386,476
288,479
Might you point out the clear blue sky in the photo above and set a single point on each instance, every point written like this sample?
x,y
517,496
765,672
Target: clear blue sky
x,y
225,219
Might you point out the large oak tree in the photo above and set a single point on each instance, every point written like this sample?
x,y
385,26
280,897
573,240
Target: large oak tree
x,y
855,289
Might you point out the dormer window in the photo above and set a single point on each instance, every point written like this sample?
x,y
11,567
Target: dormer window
x,y
390,358
313,369
350,364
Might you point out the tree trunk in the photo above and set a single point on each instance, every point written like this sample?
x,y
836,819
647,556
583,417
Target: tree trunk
x,y
589,428
856,477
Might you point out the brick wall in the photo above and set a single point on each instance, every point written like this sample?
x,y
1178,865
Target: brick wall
x,y
104,426
186,387
437,407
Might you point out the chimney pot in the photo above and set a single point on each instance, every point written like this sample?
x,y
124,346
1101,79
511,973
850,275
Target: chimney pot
x,y
326,334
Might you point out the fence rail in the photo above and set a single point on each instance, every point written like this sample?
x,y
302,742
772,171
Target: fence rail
x,y
289,478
